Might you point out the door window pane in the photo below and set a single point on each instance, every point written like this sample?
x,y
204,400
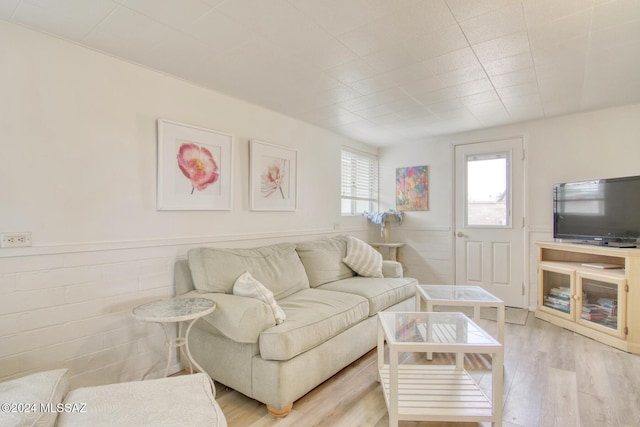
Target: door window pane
x,y
488,190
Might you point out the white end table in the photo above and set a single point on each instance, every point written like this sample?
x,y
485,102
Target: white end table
x,y
176,310
393,249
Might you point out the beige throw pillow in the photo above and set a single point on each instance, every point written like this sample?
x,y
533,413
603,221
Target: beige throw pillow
x,y
362,258
247,286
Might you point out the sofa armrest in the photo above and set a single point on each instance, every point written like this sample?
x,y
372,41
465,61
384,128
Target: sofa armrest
x,y
391,268
241,319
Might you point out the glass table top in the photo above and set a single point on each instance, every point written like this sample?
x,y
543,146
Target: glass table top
x,y
433,327
456,293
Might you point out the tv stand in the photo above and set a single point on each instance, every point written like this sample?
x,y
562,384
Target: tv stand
x,y
599,303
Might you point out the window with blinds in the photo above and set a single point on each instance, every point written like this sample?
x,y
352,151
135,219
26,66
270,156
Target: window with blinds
x,y
359,191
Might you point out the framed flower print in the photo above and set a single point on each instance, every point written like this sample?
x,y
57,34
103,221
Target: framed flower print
x,y
194,168
273,180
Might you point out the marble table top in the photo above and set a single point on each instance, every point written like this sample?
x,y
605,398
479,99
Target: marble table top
x,y
174,310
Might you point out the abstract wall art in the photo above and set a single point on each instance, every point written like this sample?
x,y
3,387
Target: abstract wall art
x,y
412,188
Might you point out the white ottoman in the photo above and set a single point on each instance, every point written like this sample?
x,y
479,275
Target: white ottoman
x,y
41,400
186,400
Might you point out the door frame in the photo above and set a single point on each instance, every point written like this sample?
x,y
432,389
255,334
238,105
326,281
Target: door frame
x,y
525,209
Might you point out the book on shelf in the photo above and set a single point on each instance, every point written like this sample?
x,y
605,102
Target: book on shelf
x,y
564,293
607,302
592,316
590,308
556,300
608,311
556,303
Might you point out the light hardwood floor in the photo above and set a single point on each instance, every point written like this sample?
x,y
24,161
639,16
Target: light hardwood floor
x,y
553,377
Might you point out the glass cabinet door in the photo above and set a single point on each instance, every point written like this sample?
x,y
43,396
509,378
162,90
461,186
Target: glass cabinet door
x,y
556,290
602,302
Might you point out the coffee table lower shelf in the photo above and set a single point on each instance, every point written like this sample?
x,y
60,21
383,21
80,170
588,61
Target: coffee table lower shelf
x,y
437,393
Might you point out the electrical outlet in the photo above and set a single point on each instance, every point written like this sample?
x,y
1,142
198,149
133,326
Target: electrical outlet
x,y
15,240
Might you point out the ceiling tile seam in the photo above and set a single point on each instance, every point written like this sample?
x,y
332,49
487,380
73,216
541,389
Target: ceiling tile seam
x,y
481,66
202,16
268,36
12,18
211,54
179,30
589,37
124,5
533,60
15,9
335,38
95,49
426,107
524,14
586,62
102,21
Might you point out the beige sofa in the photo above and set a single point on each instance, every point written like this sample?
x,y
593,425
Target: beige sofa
x,y
330,316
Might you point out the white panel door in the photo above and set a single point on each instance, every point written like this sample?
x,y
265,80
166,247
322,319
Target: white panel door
x,y
489,218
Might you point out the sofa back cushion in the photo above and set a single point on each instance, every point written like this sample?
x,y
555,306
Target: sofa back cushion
x,y
322,260
277,267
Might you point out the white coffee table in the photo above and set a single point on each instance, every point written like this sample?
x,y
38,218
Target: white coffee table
x,y
429,296
426,392
176,310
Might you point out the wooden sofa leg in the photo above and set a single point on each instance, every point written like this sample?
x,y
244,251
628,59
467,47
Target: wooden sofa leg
x,y
280,413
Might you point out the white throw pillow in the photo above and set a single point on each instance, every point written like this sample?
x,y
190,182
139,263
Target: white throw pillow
x,y
247,286
46,388
362,258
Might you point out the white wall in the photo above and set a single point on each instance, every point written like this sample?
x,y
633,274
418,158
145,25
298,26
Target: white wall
x,y
78,171
79,149
427,253
597,144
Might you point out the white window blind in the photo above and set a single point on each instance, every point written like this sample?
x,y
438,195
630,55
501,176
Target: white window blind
x,y
359,191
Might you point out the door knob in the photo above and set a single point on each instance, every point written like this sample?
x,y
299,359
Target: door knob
x,y
460,234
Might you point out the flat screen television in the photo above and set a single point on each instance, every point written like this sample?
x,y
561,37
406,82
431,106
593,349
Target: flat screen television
x,y
601,211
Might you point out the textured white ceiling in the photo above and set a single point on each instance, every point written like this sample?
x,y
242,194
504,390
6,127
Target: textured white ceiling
x,y
378,71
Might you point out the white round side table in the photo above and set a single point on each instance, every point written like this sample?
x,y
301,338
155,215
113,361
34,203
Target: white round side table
x,y
176,310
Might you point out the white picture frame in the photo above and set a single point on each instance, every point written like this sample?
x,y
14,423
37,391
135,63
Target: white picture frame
x,y
273,177
194,167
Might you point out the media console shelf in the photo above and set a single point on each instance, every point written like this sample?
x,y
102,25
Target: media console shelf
x,y
591,290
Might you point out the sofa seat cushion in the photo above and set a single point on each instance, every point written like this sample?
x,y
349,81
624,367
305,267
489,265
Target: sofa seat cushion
x,y
277,267
313,317
322,260
380,293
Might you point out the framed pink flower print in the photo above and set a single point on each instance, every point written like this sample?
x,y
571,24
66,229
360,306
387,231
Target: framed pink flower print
x,y
273,177
194,168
